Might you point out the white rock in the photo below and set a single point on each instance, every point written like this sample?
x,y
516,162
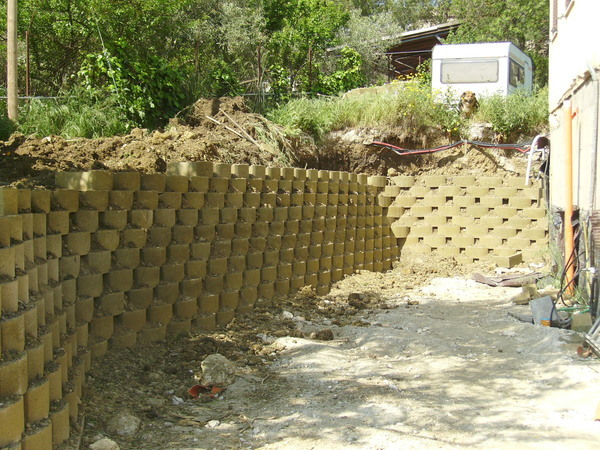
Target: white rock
x,y
217,371
123,424
105,444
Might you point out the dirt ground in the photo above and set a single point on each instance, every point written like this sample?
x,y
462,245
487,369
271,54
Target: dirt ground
x,y
225,130
420,358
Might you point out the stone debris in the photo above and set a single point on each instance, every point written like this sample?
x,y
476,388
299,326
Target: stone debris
x,y
104,444
123,424
217,370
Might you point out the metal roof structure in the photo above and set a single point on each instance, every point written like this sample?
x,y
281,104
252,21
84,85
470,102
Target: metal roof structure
x,y
415,47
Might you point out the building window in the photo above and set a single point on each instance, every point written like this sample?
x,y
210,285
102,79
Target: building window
x,y
516,74
482,71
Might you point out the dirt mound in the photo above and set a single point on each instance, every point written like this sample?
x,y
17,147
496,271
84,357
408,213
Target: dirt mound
x,y
225,130
221,130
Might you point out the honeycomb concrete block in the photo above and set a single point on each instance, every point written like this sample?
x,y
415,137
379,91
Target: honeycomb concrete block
x,y
160,236
41,201
120,199
133,320
119,279
139,298
95,180
58,222
170,200
506,212
160,313
111,304
98,261
102,327
85,220
14,375
126,181
177,183
208,303
12,417
153,182
146,276
534,213
114,219
190,169
477,211
153,256
188,217
37,401
135,238
153,333
521,202
105,240
490,181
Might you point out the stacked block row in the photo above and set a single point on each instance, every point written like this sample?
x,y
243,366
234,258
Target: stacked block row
x,y
469,218
113,259
43,344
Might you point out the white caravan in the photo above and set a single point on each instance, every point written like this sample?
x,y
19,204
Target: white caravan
x,y
486,69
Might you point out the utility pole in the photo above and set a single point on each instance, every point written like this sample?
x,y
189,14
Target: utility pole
x,y
11,60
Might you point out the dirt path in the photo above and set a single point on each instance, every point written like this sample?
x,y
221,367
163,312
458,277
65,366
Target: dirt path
x,y
454,370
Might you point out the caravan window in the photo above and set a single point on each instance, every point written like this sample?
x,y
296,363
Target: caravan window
x,y
481,71
516,75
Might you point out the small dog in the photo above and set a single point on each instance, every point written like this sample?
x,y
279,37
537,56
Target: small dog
x,y
468,104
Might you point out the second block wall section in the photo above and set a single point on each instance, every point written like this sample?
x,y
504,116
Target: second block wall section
x,y
468,218
205,242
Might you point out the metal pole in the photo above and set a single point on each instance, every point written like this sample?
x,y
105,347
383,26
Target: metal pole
x,y
11,60
568,167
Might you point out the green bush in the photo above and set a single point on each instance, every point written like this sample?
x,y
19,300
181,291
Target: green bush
x,y
77,114
518,113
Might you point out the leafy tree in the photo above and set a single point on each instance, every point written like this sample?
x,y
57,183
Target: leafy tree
x,y
524,22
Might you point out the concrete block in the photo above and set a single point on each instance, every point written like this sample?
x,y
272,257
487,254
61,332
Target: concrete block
x,y
120,200
153,182
95,180
177,183
105,239
119,279
160,313
12,417
41,201
126,181
146,276
111,304
153,333
190,169
98,261
476,252
114,219
535,213
167,292
191,287
85,220
508,261
139,298
159,236
133,320
102,327
505,212
170,200
581,322
174,272
521,202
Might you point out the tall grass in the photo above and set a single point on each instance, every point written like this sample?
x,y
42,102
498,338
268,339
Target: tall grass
x,y
410,108
77,114
519,113
413,110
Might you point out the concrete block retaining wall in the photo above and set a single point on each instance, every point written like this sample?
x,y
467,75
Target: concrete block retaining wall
x,y
113,259
469,218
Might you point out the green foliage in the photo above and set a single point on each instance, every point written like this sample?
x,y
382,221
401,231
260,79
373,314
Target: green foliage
x,y
524,22
148,89
519,113
348,76
78,113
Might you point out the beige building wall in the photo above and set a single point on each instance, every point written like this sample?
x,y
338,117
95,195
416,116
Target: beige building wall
x,y
574,57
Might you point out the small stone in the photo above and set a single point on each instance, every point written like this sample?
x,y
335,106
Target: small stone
x,y
287,315
123,424
322,335
217,370
104,444
213,423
